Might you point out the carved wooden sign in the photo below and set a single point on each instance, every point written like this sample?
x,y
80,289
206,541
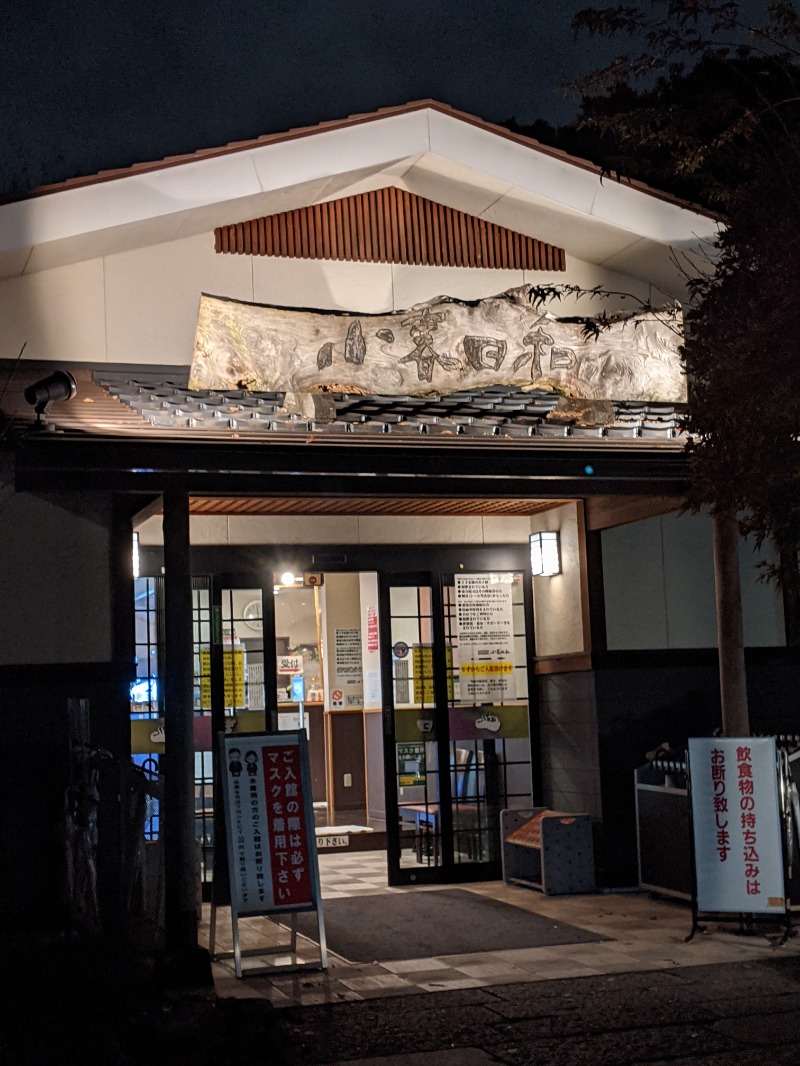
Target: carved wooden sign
x,y
442,346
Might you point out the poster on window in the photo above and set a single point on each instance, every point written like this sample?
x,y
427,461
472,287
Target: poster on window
x,y
347,667
234,667
270,822
737,825
485,620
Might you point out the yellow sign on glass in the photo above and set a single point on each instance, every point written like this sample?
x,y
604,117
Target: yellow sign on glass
x,y
233,659
487,669
422,668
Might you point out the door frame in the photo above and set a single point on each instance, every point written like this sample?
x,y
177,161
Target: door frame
x,y
232,566
448,871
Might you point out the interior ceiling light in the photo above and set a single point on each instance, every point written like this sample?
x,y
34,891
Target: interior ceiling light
x,y
287,578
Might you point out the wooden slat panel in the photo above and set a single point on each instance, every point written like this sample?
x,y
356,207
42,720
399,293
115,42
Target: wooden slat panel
x,y
432,216
361,229
344,210
401,225
372,213
458,252
388,225
392,243
449,240
468,238
303,221
338,229
374,506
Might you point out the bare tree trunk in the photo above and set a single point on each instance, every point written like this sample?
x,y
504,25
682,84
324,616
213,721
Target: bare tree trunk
x,y
732,678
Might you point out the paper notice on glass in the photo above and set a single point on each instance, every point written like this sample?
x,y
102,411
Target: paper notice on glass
x,y
485,619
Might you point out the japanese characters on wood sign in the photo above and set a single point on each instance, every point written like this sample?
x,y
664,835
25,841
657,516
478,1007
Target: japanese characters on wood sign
x,y
269,817
737,825
441,346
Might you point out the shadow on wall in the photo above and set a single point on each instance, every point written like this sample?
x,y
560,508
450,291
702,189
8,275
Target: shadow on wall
x,y
639,708
35,769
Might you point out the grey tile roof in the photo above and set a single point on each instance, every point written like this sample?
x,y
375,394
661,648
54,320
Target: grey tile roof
x,y
497,412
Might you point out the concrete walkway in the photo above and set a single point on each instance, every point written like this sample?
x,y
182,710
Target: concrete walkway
x,y
640,935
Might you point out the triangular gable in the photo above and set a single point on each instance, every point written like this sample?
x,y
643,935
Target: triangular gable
x,y
389,225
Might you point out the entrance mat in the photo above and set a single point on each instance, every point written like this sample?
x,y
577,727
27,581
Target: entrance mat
x,y
419,925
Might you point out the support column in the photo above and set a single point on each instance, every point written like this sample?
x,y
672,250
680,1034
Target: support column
x,y
179,842
730,642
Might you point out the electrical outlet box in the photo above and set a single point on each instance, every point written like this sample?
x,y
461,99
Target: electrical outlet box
x,y
348,780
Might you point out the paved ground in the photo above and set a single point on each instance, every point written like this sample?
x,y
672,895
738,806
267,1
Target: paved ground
x,y
745,1015
640,996
725,1015
639,934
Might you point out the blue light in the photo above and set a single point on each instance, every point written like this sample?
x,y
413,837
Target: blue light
x,y
588,469
145,690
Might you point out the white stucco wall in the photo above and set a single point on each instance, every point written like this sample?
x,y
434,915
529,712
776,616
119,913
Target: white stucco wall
x,y
659,587
141,306
54,578
346,529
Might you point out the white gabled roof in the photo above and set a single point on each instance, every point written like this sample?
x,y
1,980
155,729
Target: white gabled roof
x,y
424,147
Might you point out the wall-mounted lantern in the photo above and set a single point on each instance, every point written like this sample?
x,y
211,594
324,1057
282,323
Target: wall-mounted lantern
x,y
545,554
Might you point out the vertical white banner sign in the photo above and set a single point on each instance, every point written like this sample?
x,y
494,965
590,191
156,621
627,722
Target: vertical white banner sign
x,y
270,822
737,825
485,618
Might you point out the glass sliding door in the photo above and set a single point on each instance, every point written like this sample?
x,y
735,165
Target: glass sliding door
x,y
488,720
230,696
412,731
456,722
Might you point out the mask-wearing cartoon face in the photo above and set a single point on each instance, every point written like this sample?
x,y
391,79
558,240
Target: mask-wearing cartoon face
x,y
235,762
251,763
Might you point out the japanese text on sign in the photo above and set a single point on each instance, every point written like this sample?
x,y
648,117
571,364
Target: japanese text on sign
x,y
272,862
485,618
234,673
288,843
737,828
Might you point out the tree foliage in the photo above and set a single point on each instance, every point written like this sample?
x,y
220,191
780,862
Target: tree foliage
x,y
708,90
743,355
707,105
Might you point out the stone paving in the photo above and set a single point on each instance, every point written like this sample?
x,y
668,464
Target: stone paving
x,y
717,1015
642,934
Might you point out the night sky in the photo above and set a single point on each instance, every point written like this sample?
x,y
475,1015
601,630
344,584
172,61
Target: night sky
x,y
94,84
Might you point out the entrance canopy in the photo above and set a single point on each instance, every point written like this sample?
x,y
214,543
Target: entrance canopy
x,y
369,216
144,431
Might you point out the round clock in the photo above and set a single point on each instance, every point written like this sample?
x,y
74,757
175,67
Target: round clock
x,y
252,615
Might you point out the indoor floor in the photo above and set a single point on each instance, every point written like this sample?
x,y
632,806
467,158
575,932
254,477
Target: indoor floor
x,y
634,932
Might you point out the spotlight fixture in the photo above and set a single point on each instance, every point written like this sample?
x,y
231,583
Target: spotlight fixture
x,y
287,578
60,385
545,554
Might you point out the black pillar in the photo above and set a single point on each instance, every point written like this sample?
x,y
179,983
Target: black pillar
x,y
111,730
179,841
